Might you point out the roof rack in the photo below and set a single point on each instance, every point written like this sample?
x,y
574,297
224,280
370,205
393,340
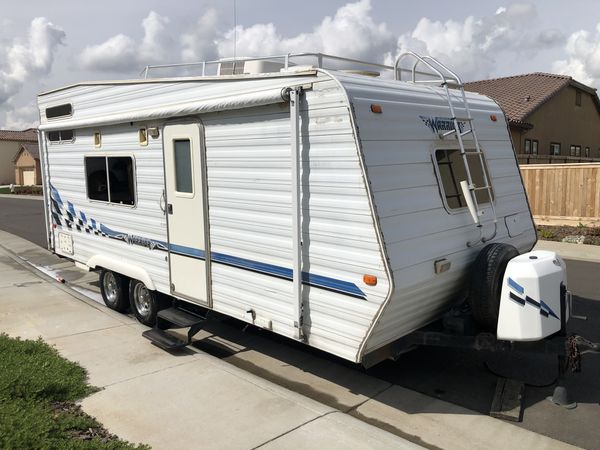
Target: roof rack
x,y
317,60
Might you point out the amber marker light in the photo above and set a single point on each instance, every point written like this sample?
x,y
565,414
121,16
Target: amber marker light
x,y
370,280
375,108
493,117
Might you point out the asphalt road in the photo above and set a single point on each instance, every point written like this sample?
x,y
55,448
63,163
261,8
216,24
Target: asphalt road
x,y
466,378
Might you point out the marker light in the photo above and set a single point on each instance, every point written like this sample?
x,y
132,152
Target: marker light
x,y
493,117
375,108
370,280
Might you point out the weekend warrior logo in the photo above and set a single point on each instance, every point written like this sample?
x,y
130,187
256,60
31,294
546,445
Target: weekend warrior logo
x,y
439,124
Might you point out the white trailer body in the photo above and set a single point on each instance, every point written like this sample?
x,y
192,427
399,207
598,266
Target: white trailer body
x,y
204,190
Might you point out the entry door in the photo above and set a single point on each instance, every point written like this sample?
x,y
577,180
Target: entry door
x,y
186,211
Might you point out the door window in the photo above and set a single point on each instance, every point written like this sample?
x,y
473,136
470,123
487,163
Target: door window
x,y
183,166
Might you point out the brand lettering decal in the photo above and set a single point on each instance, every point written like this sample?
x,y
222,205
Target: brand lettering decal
x,y
438,124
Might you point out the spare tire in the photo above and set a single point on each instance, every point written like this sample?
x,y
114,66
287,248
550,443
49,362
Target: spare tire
x,y
486,283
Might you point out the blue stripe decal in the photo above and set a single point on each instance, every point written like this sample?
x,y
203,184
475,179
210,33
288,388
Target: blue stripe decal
x,y
308,278
547,308
517,287
186,251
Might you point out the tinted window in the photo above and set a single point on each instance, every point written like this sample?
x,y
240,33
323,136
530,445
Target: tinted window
x,y
121,180
118,187
95,174
183,166
59,111
60,135
452,171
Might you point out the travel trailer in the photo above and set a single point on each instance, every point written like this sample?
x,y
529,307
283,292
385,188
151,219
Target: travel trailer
x,y
340,203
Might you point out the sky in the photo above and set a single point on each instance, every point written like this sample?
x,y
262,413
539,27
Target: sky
x,y
47,44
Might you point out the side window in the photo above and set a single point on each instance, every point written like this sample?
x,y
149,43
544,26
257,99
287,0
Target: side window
x,y
451,170
527,146
110,179
183,166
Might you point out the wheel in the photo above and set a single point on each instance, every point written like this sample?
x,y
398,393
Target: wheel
x,y
145,303
113,287
486,283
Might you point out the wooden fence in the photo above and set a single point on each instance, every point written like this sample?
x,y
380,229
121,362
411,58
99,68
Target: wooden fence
x,y
563,194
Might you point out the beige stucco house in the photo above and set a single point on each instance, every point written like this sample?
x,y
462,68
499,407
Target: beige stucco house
x,y
552,118
10,145
27,165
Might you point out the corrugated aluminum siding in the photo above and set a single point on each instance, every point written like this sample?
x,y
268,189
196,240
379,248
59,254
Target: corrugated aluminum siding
x,y
417,229
249,178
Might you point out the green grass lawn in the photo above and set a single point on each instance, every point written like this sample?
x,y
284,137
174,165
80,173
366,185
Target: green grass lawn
x,y
37,392
4,190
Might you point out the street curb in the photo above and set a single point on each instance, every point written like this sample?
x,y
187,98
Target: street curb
x,y
23,197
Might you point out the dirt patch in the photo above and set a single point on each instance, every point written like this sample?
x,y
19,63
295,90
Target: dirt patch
x,y
580,234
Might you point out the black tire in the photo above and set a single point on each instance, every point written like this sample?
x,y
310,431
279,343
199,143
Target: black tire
x,y
113,287
145,303
486,283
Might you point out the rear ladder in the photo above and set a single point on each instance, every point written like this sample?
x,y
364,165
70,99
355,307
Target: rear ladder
x,y
463,128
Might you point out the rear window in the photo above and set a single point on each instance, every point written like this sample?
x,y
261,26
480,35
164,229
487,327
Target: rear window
x,y
451,171
63,110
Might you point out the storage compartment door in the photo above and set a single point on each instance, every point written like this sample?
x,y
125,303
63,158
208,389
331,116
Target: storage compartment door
x,y
186,211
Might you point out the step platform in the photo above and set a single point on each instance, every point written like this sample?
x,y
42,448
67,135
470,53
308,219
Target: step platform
x,y
164,340
173,318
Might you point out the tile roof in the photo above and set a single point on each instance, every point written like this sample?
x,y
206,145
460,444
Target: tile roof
x,y
28,135
521,95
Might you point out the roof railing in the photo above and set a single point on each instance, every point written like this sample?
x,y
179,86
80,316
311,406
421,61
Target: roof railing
x,y
317,60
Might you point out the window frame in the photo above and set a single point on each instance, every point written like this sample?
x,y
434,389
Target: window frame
x,y
577,97
440,183
552,153
66,116
588,152
573,149
60,141
106,156
535,147
526,148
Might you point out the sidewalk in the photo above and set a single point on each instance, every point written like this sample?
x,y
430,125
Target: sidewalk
x,y
195,400
22,196
580,252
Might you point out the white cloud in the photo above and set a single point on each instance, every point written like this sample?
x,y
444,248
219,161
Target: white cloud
x,y
201,43
23,117
121,53
25,59
351,32
473,45
583,57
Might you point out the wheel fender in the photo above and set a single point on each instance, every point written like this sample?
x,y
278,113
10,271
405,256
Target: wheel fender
x,y
122,267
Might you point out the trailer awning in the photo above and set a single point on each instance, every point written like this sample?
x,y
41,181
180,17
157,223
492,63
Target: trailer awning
x,y
222,103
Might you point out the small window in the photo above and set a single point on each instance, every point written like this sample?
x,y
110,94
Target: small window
x,y
118,187
183,166
527,146
555,149
61,136
577,98
534,147
451,171
587,152
59,111
575,150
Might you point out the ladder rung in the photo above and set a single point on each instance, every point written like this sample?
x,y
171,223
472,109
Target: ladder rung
x,y
463,119
481,188
448,133
464,133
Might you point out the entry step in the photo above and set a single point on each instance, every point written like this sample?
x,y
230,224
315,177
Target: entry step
x,y
177,318
164,340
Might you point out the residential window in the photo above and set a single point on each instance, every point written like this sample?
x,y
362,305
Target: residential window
x,y
555,148
575,150
534,147
578,98
61,136
451,171
527,146
118,187
587,152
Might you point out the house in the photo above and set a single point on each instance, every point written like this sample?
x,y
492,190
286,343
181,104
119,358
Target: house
x,y
10,144
552,118
27,165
